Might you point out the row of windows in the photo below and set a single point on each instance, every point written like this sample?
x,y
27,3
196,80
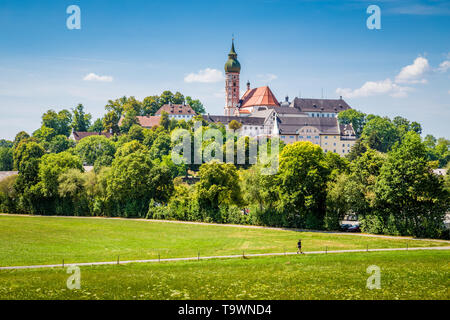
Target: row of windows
x,y
323,115
180,116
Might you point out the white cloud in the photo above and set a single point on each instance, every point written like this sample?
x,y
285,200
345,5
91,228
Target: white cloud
x,y
94,77
413,72
444,66
207,75
371,88
267,77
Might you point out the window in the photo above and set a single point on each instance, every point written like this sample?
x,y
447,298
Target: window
x,y
308,137
326,137
343,151
282,137
300,137
317,137
334,144
292,137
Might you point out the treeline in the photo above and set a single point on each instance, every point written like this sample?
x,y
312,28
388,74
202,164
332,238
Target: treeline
x,y
381,133
393,192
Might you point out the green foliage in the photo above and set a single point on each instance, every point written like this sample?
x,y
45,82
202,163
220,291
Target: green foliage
x,y
409,193
164,121
161,145
196,105
6,143
380,133
437,149
301,185
136,133
60,143
354,117
50,169
81,121
60,122
8,194
6,159
97,126
22,135
218,185
91,148
130,147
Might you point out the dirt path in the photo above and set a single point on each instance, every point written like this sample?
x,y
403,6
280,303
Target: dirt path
x,y
215,257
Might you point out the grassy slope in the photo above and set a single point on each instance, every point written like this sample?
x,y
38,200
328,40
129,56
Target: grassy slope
x,y
404,275
26,240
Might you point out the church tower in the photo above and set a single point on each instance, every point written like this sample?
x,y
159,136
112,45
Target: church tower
x,y
232,70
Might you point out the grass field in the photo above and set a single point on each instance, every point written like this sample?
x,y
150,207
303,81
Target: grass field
x,y
404,275
28,240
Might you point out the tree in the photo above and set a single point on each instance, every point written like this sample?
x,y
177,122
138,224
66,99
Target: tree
x,y
301,184
354,117
136,133
196,105
52,167
71,185
97,126
412,200
111,122
6,143
218,185
81,121
44,135
130,147
60,143
164,120
6,159
150,105
60,122
91,148
22,135
129,120
380,133
234,125
128,184
161,146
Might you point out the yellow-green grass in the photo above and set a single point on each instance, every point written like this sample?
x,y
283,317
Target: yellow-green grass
x,y
404,275
31,240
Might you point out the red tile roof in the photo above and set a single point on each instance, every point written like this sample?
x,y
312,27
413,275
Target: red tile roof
x,y
182,109
148,122
78,135
261,96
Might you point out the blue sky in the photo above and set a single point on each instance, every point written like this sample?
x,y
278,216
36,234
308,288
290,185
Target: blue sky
x,y
140,48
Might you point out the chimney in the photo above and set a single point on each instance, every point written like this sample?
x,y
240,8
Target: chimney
x,y
248,85
340,97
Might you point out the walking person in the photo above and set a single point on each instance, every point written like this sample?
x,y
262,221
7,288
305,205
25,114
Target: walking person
x,y
299,246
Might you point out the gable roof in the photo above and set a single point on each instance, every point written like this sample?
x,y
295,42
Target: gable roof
x,y
173,109
261,96
320,105
148,121
78,135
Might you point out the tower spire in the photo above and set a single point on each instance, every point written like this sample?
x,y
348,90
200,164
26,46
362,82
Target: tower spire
x,y
232,71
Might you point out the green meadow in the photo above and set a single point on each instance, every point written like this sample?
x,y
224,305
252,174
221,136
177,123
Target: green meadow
x,y
30,240
404,275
